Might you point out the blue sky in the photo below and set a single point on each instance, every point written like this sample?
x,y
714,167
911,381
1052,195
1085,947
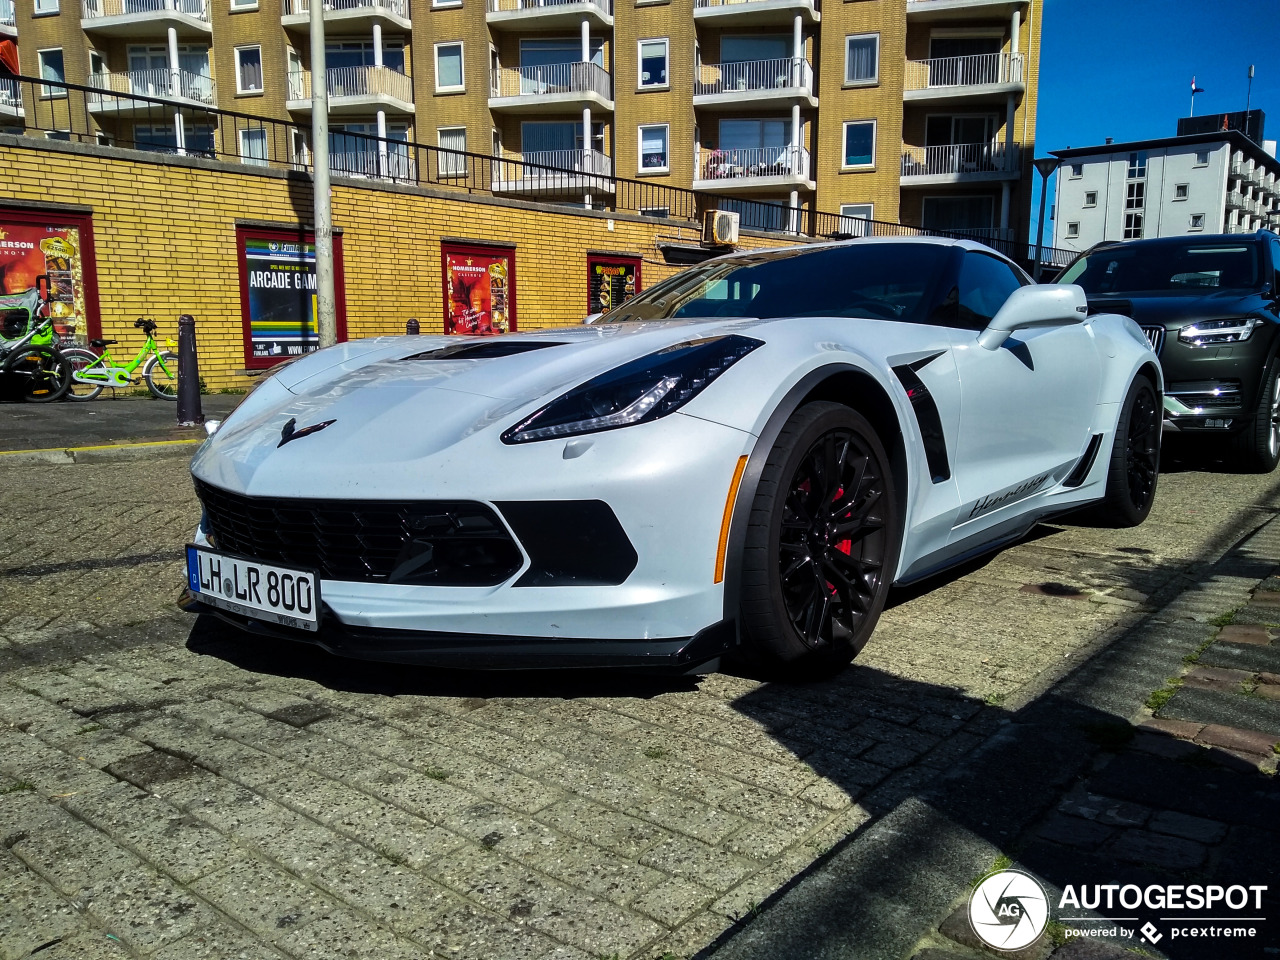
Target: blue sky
x,y
1123,68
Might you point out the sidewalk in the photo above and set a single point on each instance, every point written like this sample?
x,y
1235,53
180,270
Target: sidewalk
x,y
104,422
1153,764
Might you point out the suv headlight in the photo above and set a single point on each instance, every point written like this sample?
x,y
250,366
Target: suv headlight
x,y
1208,333
636,392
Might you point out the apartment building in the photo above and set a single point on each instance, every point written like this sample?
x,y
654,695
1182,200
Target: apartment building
x,y
913,111
1219,182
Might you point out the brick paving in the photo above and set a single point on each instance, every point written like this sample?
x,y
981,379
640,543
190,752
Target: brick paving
x,y
176,789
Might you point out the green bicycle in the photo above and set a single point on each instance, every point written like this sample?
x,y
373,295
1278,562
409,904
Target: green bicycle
x,y
91,373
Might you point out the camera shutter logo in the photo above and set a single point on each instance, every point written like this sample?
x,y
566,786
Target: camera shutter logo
x,y
1009,910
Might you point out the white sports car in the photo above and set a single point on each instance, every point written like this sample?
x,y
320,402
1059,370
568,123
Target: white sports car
x,y
742,458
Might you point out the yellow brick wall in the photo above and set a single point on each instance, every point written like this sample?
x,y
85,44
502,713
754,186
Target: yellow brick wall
x,y
165,243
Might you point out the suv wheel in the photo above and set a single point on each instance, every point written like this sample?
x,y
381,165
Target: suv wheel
x,y
1256,448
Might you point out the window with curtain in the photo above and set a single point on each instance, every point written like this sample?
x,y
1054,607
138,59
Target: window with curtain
x,y
653,147
248,70
862,58
449,66
752,134
253,147
451,138
859,143
52,69
653,63
542,53
356,53
763,47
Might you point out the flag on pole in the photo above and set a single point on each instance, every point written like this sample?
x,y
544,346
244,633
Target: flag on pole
x,y
1194,88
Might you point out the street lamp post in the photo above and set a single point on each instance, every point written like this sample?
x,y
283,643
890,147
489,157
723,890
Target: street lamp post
x,y
326,308
1045,166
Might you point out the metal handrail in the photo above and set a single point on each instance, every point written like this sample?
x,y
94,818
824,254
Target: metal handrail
x,y
365,81
156,82
8,17
781,73
959,158
974,70
10,93
741,164
92,9
702,4
579,77
399,8
510,6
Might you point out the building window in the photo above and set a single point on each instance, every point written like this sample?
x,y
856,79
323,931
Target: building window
x,y
1077,171
859,143
1073,231
243,5
253,147
57,135
45,6
653,147
1202,158
1133,226
1134,194
653,63
661,212
855,219
1091,198
1197,221
437,4
862,58
1180,191
248,69
450,139
449,67
1138,165
51,69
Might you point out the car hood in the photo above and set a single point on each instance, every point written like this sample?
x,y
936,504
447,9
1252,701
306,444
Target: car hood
x,y
1177,310
398,399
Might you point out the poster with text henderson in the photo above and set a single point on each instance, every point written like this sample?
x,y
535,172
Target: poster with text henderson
x,y
281,277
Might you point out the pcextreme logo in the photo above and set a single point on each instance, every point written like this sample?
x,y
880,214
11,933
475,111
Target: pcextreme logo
x,y
1009,910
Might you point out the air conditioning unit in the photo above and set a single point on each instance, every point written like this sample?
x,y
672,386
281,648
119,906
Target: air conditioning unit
x,y
719,228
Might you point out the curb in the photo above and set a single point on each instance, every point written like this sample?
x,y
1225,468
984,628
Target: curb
x,y
104,453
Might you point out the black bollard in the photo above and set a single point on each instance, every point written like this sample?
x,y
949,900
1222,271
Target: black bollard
x,y
189,413
412,326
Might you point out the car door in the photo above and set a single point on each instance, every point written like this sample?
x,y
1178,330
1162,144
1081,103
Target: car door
x,y
1026,408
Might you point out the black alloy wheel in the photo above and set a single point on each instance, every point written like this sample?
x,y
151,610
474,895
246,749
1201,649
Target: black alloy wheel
x,y
1134,467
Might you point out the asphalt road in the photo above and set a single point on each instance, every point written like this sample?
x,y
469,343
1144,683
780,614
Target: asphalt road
x,y
170,788
107,420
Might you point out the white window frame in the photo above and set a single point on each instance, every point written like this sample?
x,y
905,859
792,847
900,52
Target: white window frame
x,y
44,8
854,228
1192,221
872,81
1087,201
1181,192
462,66
1134,223
640,82
1073,230
1205,161
243,6
1076,171
441,155
250,91
445,4
245,157
844,134
46,91
640,167
63,135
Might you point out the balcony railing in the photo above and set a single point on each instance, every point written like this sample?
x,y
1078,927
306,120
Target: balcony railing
x,y
752,162
1235,200
399,8
551,170
161,83
977,70
581,77
395,164
959,159
511,6
8,18
764,75
741,4
367,81
10,95
91,9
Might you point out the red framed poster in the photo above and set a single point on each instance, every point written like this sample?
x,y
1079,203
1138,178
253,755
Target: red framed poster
x,y
278,293
479,288
37,243
611,280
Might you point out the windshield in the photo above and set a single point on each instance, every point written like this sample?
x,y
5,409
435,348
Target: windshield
x,y
888,281
1166,269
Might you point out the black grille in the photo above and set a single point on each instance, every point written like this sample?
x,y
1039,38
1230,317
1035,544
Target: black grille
x,y
1221,394
442,543
1155,337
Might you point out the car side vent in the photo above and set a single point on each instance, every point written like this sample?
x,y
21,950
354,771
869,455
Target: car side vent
x,y
1085,463
483,350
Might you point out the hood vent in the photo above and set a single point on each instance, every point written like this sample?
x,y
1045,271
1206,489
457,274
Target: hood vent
x,y
484,350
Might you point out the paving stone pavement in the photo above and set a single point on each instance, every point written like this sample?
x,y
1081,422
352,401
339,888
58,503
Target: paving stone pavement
x,y
171,788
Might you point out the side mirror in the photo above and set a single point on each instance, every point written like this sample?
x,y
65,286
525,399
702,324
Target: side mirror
x,y
592,317
1039,305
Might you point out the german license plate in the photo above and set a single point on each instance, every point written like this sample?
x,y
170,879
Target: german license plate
x,y
262,591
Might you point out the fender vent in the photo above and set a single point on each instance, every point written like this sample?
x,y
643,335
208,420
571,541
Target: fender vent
x,y
1086,462
927,418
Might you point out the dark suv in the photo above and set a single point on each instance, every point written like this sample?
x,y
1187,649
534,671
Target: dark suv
x,y
1210,306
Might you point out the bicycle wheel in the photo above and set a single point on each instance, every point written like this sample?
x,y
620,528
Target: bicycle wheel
x,y
88,373
161,374
44,375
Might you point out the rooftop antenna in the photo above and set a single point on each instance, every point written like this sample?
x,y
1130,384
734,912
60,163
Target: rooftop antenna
x,y
1194,91
1249,98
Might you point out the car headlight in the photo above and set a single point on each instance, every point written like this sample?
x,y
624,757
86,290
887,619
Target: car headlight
x,y
636,392
1208,333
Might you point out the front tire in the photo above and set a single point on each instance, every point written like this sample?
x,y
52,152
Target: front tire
x,y
1135,458
162,381
821,542
43,374
1256,448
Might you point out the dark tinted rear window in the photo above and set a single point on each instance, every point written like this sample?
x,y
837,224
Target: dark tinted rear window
x,y
1165,268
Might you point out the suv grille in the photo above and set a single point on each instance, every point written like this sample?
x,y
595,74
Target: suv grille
x,y
1204,394
1155,337
442,543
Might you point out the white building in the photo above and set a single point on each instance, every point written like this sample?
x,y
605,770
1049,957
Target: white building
x,y
1202,183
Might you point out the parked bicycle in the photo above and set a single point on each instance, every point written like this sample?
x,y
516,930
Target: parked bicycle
x,y
29,354
91,373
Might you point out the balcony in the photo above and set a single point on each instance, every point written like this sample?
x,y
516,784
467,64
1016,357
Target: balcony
x,y
10,99
548,14
8,19
139,19
554,173
753,84
959,163
752,170
551,88
746,13
354,90
974,79
178,87
925,10
1236,200
393,14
